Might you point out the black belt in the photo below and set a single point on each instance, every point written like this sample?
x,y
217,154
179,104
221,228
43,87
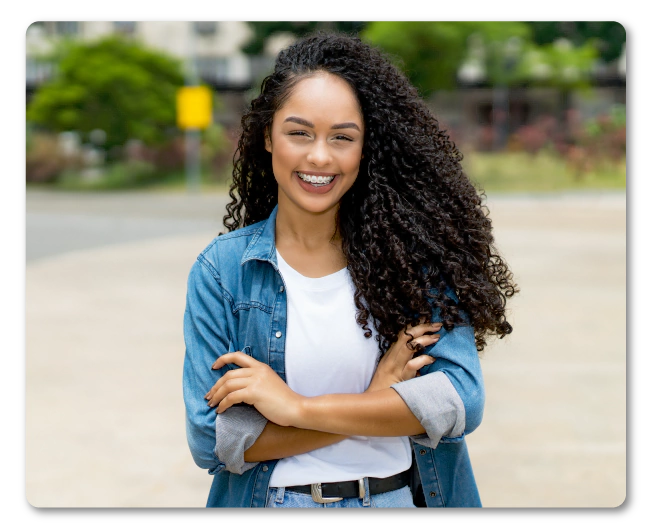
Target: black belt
x,y
353,489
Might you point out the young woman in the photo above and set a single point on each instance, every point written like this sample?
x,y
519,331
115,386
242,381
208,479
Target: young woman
x,y
356,241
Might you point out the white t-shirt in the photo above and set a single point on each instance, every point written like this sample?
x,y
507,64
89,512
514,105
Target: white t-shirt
x,y
326,352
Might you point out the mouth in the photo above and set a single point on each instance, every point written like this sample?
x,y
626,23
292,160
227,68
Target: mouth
x,y
316,179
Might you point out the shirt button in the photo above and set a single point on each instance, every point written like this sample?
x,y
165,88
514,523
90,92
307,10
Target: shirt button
x,y
432,494
281,288
278,334
265,468
422,452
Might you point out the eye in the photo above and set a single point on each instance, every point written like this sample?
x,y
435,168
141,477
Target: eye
x,y
299,133
342,138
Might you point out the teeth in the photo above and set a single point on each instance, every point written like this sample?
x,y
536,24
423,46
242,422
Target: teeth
x,y
315,180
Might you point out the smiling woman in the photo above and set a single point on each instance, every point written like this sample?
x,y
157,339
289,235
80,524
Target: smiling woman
x,y
315,142
350,218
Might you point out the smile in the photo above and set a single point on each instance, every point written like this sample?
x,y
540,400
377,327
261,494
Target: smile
x,y
317,181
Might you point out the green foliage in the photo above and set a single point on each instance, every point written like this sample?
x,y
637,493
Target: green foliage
x,y
432,52
115,85
608,37
263,30
559,64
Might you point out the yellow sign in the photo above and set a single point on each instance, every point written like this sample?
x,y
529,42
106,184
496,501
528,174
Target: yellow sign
x,y
193,107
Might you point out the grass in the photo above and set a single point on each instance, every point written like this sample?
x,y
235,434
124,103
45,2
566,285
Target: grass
x,y
521,172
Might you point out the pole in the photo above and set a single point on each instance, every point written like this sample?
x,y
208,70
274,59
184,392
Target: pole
x,y
193,160
192,135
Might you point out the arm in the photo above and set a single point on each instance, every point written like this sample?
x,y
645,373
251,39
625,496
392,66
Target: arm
x,y
235,440
396,365
449,397
204,343
446,400
277,442
380,411
215,442
442,405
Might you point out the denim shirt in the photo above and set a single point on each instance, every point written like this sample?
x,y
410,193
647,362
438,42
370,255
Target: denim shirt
x,y
236,301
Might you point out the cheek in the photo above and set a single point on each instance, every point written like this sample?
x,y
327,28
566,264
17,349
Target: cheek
x,y
353,160
281,155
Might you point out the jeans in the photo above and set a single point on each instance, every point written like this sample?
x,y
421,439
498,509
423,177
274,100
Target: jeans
x,y
279,497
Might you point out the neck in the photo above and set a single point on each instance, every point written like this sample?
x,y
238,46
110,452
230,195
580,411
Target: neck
x,y
309,230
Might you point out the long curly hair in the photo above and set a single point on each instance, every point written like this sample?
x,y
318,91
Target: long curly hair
x,y
417,239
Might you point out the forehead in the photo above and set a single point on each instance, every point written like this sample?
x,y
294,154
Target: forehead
x,y
323,97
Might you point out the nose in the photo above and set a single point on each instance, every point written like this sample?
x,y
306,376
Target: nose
x,y
319,154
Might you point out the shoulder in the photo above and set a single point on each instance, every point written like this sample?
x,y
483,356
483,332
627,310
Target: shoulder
x,y
225,251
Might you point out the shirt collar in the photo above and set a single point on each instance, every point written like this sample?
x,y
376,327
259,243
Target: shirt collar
x,y
262,246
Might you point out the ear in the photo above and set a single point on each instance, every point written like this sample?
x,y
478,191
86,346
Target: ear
x,y
267,141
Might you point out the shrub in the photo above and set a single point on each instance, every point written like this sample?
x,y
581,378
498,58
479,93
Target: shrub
x,y
45,160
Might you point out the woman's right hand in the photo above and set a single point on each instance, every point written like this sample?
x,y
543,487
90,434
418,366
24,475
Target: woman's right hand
x,y
398,364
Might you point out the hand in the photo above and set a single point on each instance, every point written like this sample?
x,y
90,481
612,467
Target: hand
x,y
398,364
254,383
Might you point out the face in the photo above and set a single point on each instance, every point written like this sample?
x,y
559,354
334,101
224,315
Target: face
x,y
315,142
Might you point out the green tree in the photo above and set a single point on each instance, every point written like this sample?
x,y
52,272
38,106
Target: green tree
x,y
431,53
607,37
263,30
115,85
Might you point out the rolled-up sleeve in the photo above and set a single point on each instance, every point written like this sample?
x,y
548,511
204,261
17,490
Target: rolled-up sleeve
x,y
449,396
237,429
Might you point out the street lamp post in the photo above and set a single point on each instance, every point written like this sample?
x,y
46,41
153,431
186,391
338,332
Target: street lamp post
x,y
192,135
509,56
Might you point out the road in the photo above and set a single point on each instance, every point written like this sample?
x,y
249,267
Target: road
x,y
105,293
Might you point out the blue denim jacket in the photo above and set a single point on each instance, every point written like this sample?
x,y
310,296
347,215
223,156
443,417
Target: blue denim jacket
x,y
236,302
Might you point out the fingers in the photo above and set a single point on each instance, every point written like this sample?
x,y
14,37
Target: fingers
x,y
424,341
232,374
411,340
421,329
237,357
412,366
418,344
227,388
230,399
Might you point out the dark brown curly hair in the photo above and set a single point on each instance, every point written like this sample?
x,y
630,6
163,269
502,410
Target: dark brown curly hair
x,y
417,239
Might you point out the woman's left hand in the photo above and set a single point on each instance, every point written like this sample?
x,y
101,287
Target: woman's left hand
x,y
254,383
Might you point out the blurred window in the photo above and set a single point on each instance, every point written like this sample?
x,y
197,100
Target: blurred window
x,y
67,28
125,28
38,71
261,66
212,69
205,28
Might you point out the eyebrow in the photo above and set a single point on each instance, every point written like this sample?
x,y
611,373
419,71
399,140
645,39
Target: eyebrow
x,y
309,124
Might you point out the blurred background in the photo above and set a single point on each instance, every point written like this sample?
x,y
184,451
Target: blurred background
x,y
131,129
101,96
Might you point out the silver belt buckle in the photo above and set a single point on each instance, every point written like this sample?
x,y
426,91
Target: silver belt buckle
x,y
317,493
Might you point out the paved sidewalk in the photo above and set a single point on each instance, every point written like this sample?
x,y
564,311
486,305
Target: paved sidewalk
x,y
104,410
